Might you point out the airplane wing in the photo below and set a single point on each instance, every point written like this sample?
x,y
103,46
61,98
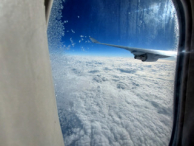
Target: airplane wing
x,y
146,55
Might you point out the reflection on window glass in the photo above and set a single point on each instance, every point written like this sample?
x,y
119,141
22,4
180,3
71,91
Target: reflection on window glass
x,y
104,95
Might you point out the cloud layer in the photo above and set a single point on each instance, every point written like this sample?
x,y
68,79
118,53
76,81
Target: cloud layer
x,y
107,101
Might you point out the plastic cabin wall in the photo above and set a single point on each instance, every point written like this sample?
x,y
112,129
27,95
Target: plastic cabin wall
x,y
28,111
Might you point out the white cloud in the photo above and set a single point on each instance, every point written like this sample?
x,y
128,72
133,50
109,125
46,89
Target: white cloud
x,y
113,101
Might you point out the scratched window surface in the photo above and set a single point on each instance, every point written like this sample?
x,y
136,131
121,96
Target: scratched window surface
x,y
104,96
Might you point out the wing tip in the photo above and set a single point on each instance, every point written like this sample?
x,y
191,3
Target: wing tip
x,y
93,40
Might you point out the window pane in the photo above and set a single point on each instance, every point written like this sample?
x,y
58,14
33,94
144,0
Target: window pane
x,y
104,95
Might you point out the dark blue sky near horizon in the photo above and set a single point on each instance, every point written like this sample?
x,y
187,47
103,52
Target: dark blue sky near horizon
x,y
147,24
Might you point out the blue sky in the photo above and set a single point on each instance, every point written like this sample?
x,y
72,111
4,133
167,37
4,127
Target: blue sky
x,y
149,24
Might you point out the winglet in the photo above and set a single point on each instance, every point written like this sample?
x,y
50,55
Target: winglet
x,y
93,40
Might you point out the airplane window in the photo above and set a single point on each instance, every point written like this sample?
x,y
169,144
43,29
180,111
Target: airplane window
x,y
113,65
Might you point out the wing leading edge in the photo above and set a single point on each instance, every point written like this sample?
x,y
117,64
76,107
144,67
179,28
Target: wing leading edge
x,y
146,55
